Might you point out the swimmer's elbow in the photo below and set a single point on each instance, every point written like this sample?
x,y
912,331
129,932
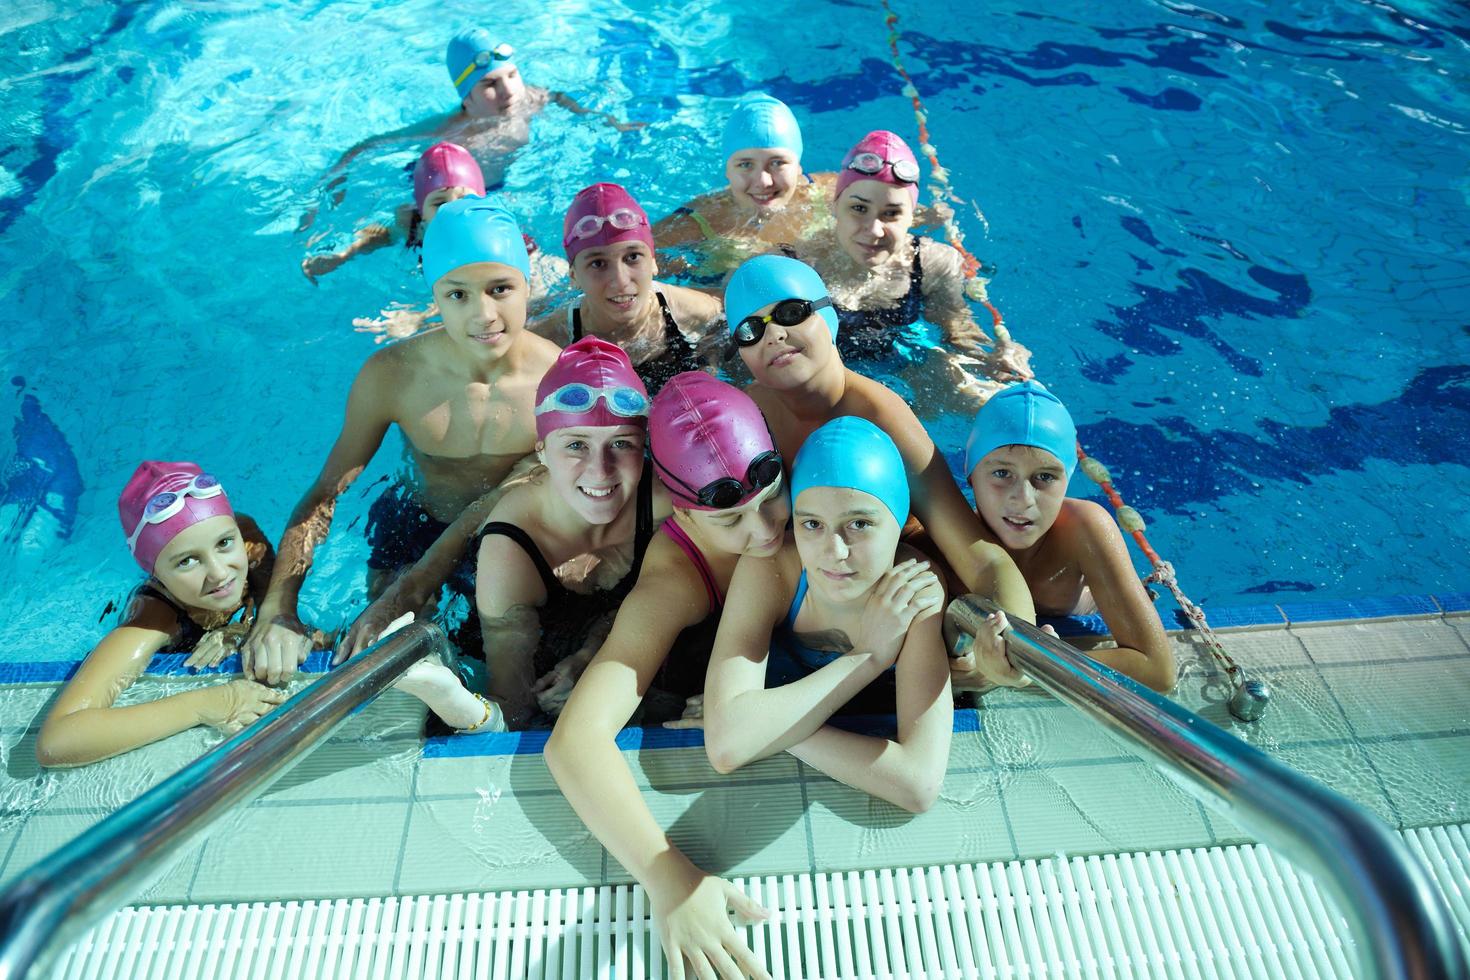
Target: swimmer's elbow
x,y
51,752
724,757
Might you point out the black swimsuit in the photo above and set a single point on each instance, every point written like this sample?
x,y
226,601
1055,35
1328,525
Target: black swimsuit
x,y
867,335
190,632
678,355
566,615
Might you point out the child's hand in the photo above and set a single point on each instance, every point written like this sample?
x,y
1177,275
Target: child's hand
x,y
217,645
554,687
319,265
398,321
1008,362
906,593
693,716
984,664
235,706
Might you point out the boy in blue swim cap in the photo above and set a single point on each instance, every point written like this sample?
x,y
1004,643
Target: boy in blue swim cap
x,y
464,398
768,199
782,322
1021,452
495,110
842,608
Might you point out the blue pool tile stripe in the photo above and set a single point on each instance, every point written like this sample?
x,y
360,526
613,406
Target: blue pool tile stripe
x,y
629,739
1237,616
1452,601
1371,607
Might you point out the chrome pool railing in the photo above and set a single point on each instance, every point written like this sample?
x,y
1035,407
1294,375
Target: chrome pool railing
x,y
1396,914
58,898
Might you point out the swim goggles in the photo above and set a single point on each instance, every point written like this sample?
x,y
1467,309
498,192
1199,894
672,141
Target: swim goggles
x,y
501,52
578,398
623,219
161,506
727,492
872,164
788,313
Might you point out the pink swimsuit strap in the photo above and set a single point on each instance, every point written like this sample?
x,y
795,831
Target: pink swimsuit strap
x,y
711,587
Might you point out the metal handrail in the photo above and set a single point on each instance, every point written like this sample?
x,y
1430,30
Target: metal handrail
x,y
1393,908
59,897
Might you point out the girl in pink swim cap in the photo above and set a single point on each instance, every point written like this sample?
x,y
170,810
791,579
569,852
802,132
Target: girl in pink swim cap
x,y
665,329
882,277
203,563
556,552
444,172
714,455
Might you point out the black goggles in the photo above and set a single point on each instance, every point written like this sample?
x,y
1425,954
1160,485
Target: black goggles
x,y
727,491
788,313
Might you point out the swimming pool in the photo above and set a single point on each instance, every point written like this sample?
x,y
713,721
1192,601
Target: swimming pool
x,y
1234,238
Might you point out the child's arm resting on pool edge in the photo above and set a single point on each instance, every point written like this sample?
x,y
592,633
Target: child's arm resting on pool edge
x,y
907,770
83,726
278,641
1143,650
689,904
743,719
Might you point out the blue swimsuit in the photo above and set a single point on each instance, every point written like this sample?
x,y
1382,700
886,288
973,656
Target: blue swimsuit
x,y
790,660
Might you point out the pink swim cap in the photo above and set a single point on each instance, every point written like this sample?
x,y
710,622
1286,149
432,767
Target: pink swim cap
x,y
702,430
603,214
149,481
445,165
592,383
891,149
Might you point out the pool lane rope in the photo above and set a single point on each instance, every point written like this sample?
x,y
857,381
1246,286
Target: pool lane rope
x,y
1128,518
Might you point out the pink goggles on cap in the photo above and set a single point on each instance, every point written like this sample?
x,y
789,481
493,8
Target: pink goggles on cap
x,y
167,504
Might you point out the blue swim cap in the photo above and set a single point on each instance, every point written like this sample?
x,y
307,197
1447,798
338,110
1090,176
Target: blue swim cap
x,y
761,120
768,279
1023,414
855,454
465,54
473,229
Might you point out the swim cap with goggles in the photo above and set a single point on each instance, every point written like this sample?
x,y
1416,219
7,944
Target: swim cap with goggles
x,y
710,444
760,121
445,165
470,230
1023,414
473,54
880,156
163,499
603,214
853,453
592,383
768,279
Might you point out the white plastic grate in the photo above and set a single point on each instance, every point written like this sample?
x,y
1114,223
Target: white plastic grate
x,y
1231,912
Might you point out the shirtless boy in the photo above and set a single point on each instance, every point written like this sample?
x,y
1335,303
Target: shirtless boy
x,y
464,398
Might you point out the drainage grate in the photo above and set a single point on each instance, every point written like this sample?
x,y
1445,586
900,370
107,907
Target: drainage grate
x,y
1218,912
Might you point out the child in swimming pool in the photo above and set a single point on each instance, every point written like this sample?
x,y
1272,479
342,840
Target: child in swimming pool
x,y
713,453
883,277
783,325
205,564
463,397
663,328
444,172
1019,456
496,106
845,611
767,199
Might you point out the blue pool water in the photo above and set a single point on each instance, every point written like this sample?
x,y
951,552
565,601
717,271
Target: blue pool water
x,y
1234,237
